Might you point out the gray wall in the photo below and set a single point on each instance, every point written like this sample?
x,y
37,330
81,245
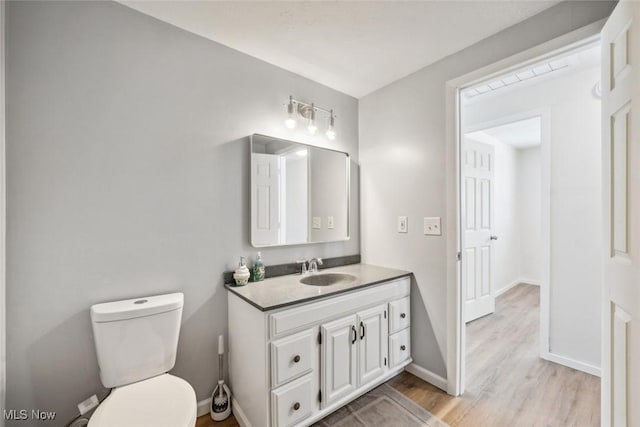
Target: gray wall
x,y
128,173
402,165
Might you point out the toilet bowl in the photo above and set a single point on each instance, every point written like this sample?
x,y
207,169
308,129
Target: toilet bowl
x,y
162,401
136,342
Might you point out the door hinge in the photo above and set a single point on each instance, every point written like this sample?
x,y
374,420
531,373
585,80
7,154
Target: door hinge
x,y
320,396
459,256
385,361
385,314
320,337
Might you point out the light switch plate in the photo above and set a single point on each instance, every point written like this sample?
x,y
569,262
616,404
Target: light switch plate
x,y
330,223
316,223
403,224
432,226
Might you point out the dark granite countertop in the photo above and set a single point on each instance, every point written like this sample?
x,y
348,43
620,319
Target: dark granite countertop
x,y
287,290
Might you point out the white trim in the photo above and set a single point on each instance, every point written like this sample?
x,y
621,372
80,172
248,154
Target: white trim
x,y
514,283
571,363
506,288
455,321
428,376
533,282
204,407
238,413
545,220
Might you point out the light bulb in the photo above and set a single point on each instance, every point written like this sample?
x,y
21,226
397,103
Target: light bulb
x,y
290,122
331,132
312,128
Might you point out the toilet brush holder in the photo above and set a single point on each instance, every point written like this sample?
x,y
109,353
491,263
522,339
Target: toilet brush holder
x,y
220,416
220,408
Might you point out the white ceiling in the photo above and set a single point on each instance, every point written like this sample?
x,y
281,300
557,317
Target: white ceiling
x,y
355,47
521,135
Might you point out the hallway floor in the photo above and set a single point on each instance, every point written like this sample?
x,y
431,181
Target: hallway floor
x,y
508,385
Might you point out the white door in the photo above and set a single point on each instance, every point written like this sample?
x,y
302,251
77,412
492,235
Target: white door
x,y
265,199
477,222
621,191
339,361
372,352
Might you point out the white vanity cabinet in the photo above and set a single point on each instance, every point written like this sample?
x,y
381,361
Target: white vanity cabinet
x,y
293,365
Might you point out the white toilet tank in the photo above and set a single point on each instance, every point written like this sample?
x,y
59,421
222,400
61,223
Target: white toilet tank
x,y
136,339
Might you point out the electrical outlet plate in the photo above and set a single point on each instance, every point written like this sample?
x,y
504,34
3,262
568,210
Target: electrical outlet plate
x,y
432,226
316,223
403,224
330,224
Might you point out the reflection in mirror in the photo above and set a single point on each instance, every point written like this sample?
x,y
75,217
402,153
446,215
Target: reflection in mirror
x,y
299,193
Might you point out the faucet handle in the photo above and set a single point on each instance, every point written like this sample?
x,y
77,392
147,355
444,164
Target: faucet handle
x,y
319,260
303,269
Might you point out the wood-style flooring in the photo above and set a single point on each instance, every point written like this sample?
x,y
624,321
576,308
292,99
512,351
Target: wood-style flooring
x,y
508,385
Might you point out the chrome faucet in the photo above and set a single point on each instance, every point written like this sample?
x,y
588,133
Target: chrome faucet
x,y
303,269
313,264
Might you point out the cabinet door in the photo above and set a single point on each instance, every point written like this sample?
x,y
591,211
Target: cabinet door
x,y
339,361
373,337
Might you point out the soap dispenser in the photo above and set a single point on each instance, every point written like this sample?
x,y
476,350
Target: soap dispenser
x,y
242,274
258,269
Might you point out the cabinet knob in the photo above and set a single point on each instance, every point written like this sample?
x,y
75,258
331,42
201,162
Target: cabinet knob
x,y
296,406
403,315
403,348
296,359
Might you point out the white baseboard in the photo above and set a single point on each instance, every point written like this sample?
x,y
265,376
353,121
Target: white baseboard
x,y
533,282
506,288
204,406
572,363
514,283
241,418
425,374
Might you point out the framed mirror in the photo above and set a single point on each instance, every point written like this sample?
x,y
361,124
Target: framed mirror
x,y
299,193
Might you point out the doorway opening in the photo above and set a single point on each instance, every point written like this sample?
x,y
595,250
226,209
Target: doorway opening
x,y
529,186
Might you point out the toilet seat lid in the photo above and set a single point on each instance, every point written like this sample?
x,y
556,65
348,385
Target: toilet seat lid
x,y
162,401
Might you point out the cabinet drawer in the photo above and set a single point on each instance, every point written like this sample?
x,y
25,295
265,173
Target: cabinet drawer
x,y
399,314
399,347
292,357
293,402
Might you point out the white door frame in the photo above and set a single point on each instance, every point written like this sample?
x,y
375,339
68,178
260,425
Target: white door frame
x,y
545,205
455,319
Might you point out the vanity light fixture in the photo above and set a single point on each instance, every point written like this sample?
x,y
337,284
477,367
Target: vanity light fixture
x,y
312,128
291,119
308,111
331,132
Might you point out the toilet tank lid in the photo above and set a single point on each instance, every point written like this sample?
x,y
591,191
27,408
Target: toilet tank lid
x,y
136,307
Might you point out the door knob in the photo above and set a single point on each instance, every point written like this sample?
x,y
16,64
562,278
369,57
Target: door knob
x,y
296,406
403,315
493,238
296,359
403,347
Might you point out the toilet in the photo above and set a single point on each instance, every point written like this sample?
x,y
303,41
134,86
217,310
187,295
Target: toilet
x,y
136,342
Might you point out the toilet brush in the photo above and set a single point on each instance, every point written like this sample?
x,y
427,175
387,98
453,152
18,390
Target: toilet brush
x,y
221,396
